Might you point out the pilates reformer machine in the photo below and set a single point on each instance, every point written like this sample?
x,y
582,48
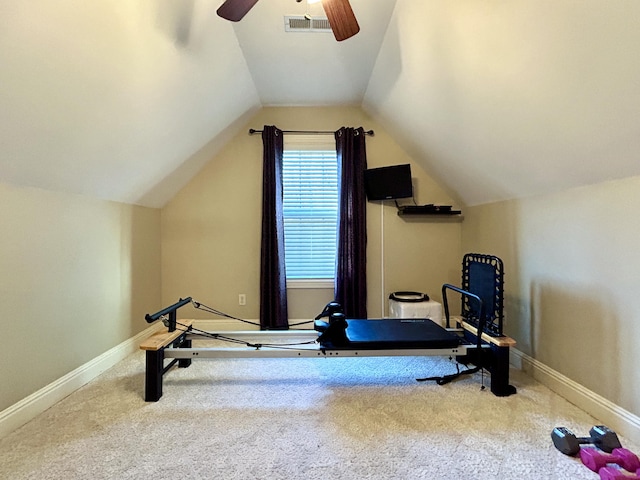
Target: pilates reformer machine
x,y
476,338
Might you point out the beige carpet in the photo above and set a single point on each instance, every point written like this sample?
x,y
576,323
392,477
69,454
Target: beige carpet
x,y
320,418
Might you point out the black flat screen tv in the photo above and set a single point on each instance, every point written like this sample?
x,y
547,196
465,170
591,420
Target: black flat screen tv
x,y
388,183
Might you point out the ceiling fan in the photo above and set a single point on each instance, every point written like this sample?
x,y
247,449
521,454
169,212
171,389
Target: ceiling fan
x,y
339,13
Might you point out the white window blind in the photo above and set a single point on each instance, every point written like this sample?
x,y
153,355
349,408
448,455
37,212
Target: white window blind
x,y
310,187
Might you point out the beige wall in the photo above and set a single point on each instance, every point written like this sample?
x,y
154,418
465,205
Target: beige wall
x,y
211,228
572,283
77,276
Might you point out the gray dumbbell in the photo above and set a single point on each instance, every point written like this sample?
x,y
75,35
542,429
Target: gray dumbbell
x,y
600,436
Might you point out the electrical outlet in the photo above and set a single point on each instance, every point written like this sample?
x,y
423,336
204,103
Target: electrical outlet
x,y
242,299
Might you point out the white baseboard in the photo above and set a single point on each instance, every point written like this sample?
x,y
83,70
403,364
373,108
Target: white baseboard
x,y
28,408
216,325
622,421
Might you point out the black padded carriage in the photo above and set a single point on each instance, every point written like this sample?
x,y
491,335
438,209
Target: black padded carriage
x,y
385,334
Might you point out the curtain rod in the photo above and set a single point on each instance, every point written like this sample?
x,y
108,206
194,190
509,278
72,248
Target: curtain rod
x,y
305,132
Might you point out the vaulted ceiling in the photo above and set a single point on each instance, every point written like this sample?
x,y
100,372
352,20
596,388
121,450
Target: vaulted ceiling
x,y
495,99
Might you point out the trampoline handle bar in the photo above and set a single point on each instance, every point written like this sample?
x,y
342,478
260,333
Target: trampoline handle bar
x,y
170,309
481,319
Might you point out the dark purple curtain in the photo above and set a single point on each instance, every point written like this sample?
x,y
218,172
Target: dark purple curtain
x,y
351,255
273,278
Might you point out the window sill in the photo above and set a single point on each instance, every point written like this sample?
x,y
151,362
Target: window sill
x,y
311,283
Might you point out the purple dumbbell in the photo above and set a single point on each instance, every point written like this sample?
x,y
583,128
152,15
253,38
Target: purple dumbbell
x,y
594,459
612,473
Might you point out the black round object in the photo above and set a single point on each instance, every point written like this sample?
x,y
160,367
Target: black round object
x,y
409,297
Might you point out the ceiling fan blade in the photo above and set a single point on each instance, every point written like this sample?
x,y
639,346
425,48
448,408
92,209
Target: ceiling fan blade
x,y
234,10
341,18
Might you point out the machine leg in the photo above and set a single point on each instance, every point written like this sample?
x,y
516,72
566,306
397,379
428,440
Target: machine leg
x,y
496,360
499,368
185,362
153,375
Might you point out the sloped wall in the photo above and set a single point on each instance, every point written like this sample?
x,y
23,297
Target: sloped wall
x,y
77,276
110,99
501,100
211,229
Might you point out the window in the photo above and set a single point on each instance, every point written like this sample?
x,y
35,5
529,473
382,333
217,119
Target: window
x,y
310,210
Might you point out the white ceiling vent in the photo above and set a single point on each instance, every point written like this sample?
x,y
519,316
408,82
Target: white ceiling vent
x,y
298,23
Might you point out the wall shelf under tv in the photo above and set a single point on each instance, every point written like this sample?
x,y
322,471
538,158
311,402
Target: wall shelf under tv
x,y
429,211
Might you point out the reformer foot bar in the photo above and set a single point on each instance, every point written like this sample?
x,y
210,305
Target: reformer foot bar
x,y
175,344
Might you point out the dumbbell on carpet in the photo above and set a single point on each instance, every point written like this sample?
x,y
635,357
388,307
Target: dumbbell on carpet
x,y
595,460
612,473
599,435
